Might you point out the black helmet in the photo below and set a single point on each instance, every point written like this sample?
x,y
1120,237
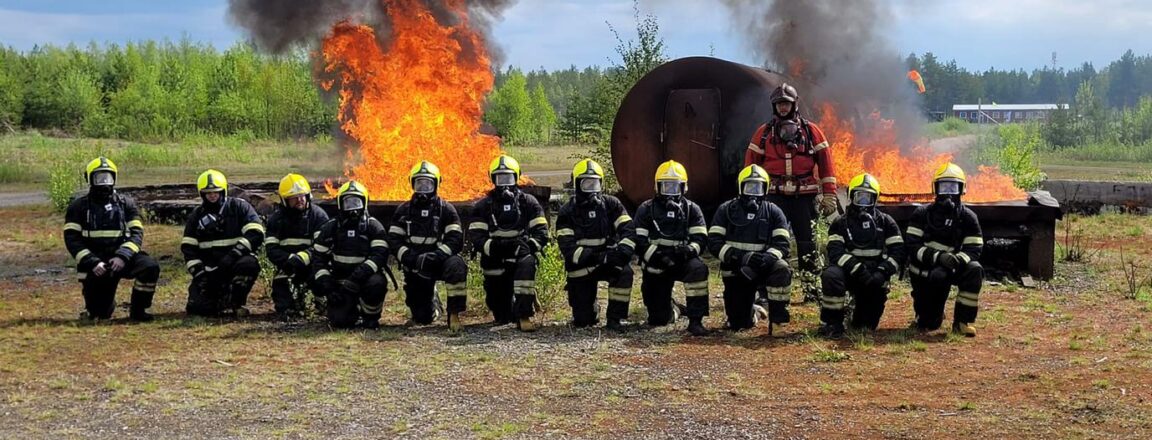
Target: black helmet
x,y
785,93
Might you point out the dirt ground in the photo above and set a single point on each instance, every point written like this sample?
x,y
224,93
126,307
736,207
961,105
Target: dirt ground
x,y
1068,360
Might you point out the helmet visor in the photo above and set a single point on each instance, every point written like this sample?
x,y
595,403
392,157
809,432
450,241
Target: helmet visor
x,y
352,203
948,188
424,185
670,187
752,188
864,199
103,178
590,184
504,179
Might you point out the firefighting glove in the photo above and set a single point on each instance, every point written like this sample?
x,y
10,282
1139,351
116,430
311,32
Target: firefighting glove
x,y
503,248
753,259
411,260
296,263
684,253
361,273
662,258
523,248
876,279
948,261
938,275
588,257
100,270
861,274
828,205
769,260
116,264
617,258
196,270
230,259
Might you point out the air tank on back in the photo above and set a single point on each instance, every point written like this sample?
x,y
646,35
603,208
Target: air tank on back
x,y
699,111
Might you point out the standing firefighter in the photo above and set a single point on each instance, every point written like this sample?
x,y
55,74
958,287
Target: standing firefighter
x,y
103,231
944,244
750,237
865,250
427,236
795,153
219,245
670,233
290,232
593,231
348,255
509,231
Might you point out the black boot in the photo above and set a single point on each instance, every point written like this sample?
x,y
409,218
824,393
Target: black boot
x,y
696,327
140,315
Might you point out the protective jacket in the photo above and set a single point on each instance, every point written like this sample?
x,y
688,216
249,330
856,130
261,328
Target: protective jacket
x,y
96,231
803,166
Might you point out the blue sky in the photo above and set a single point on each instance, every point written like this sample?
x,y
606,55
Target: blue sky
x,y
556,33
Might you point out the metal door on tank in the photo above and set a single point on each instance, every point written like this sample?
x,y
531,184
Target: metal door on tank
x,y
691,121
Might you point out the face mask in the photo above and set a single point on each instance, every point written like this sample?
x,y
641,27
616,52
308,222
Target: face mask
x,y
352,203
863,199
423,185
946,202
103,178
100,190
789,132
590,185
948,188
669,187
752,188
504,179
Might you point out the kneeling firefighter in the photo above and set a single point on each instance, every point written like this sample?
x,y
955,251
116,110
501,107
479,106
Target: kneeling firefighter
x,y
866,249
291,229
670,233
509,230
349,254
103,231
427,236
592,230
219,246
749,235
944,244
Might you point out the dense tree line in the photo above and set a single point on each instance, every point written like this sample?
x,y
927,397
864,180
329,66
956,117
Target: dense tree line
x,y
160,91
1120,84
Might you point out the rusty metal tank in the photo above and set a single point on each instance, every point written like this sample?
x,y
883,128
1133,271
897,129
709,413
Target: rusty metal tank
x,y
699,111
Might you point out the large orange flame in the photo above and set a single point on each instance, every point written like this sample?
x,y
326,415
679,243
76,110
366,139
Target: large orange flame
x,y
905,174
417,98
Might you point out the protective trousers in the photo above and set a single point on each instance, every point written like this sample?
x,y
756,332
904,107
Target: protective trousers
x,y
801,211
869,301
930,295
740,295
289,291
420,290
344,307
582,295
656,289
223,288
510,290
100,292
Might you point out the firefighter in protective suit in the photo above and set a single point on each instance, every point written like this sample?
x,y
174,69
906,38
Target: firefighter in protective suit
x,y
865,250
749,235
349,255
291,229
103,232
509,230
219,245
944,244
670,234
795,153
593,231
427,236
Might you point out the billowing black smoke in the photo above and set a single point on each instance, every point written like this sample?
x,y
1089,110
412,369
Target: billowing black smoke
x,y
278,26
838,50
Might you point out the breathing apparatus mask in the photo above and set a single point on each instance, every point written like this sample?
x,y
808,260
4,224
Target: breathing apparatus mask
x,y
102,184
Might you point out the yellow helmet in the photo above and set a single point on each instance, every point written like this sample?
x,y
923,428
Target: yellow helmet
x,y
587,177
428,170
949,173
294,185
504,165
352,196
752,181
212,181
864,190
100,164
671,179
